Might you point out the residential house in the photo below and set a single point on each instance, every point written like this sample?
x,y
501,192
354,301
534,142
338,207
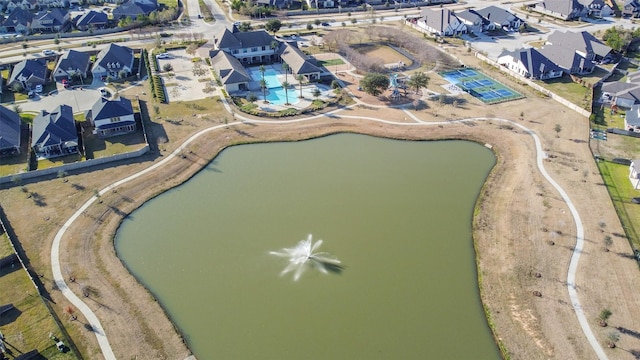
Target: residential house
x,y
28,73
113,61
530,63
621,94
54,133
583,43
21,4
91,20
472,20
440,22
630,8
9,132
282,4
50,21
72,63
595,8
561,9
576,52
632,119
568,59
18,22
250,47
299,63
634,174
501,18
232,74
134,8
112,117
51,4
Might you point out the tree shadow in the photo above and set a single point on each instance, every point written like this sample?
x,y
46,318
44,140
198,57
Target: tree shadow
x,y
10,315
629,332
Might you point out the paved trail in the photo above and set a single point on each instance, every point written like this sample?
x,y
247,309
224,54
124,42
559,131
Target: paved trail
x,y
93,320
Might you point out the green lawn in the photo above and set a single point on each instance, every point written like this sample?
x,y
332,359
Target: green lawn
x,y
97,147
574,92
331,62
5,246
616,178
27,327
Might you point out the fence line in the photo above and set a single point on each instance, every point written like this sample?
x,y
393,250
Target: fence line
x,y
76,165
37,284
535,86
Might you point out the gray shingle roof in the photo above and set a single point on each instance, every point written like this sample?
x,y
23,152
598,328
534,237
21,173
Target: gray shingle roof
x,y
241,40
496,14
104,108
18,16
567,58
564,7
632,116
56,127
28,69
298,61
470,15
53,17
9,128
91,17
115,55
438,19
579,41
74,60
536,63
230,69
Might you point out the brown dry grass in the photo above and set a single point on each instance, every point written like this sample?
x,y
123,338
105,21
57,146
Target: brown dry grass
x,y
518,215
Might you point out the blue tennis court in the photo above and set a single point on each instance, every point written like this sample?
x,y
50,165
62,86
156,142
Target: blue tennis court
x,y
480,86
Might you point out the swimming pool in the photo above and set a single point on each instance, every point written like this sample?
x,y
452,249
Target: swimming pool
x,y
270,77
275,92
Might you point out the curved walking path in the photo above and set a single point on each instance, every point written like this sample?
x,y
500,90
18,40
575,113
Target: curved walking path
x,y
94,322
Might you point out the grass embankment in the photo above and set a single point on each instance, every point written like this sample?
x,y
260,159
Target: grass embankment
x,y
28,326
616,179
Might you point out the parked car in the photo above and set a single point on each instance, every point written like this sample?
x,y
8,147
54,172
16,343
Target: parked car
x,y
163,56
325,24
48,52
65,83
38,89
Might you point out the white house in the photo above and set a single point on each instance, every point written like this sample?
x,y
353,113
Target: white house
x,y
529,63
634,174
441,22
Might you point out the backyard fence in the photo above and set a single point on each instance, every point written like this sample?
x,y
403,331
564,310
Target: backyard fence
x,y
75,165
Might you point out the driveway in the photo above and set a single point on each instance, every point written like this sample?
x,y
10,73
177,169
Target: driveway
x,y
79,100
183,86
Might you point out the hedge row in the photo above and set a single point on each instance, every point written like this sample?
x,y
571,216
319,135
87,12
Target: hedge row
x,y
252,109
158,89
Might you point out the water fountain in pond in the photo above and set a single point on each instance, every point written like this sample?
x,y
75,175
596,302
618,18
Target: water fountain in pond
x,y
303,256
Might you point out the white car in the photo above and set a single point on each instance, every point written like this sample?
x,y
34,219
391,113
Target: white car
x,y
48,52
163,56
38,89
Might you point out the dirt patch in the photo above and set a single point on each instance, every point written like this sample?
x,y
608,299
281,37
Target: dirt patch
x,y
383,52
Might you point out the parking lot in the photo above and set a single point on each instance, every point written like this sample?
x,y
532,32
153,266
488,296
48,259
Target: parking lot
x,y
183,85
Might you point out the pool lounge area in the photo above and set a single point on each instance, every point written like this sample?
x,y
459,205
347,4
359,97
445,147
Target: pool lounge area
x,y
275,92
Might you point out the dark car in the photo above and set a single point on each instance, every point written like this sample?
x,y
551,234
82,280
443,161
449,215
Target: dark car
x,y
325,24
